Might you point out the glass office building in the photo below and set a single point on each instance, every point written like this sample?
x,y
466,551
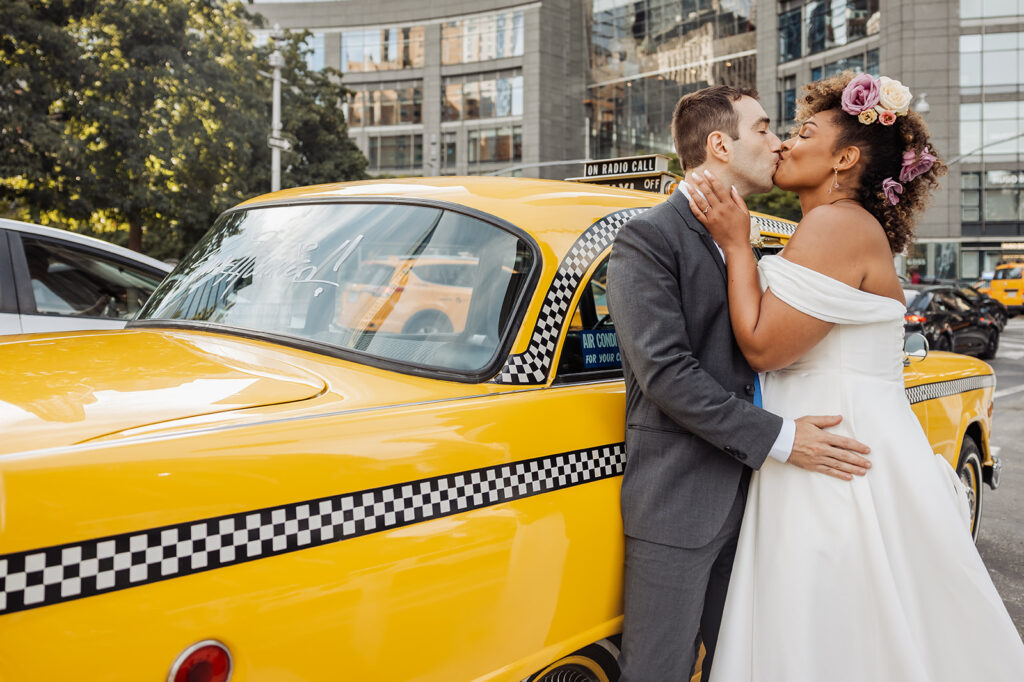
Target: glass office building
x,y
645,55
475,88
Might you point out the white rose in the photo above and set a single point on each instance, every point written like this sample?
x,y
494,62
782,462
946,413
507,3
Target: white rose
x,y
893,95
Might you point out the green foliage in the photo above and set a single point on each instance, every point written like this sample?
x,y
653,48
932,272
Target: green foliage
x,y
145,120
777,203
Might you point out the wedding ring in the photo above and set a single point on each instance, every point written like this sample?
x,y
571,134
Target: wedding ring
x,y
705,211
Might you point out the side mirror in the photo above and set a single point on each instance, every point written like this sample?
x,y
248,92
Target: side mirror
x,y
915,346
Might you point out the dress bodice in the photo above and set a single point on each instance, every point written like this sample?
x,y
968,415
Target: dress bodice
x,y
868,335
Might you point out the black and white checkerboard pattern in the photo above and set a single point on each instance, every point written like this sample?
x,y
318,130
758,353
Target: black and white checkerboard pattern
x,y
51,575
532,366
775,227
941,389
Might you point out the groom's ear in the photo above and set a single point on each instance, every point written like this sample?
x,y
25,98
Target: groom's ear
x,y
848,158
718,146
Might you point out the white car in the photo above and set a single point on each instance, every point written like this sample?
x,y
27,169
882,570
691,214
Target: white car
x,y
55,280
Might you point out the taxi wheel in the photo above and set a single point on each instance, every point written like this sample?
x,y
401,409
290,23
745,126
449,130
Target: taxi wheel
x,y
1000,319
969,471
594,663
428,322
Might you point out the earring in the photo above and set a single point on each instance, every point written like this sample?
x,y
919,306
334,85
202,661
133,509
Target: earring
x,y
835,180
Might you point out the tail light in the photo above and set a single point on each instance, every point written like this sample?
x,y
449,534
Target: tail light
x,y
915,319
206,661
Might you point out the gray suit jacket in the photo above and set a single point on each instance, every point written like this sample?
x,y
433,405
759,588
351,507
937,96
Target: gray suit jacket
x,y
692,430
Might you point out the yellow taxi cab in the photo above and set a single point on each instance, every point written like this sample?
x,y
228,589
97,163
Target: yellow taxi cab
x,y
244,485
425,294
1007,286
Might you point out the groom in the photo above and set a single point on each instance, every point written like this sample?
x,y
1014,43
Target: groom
x,y
693,433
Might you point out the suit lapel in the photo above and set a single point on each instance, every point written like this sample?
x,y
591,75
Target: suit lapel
x,y
682,206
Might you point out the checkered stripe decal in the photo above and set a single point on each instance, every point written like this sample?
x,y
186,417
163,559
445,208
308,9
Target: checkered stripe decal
x,y
941,389
531,367
773,226
52,575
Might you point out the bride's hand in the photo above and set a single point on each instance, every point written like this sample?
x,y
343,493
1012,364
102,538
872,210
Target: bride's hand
x,y
720,209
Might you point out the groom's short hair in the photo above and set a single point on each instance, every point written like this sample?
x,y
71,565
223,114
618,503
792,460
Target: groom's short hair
x,y
700,113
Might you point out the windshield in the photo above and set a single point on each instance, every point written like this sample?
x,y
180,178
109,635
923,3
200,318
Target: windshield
x,y
1009,273
412,284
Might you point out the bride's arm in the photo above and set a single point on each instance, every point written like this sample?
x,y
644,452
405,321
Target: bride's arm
x,y
770,333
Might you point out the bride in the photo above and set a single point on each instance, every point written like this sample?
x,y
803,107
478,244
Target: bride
x,y
875,579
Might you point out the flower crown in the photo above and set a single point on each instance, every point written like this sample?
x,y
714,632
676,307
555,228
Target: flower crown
x,y
884,99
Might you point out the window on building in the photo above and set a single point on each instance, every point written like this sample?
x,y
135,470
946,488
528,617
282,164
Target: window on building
x,y
448,151
400,103
395,152
315,56
488,145
991,129
831,23
970,197
1001,200
975,9
789,35
787,103
382,49
482,38
487,95
993,61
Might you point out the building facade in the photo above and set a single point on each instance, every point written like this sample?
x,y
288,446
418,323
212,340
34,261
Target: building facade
x,y
458,87
454,87
964,61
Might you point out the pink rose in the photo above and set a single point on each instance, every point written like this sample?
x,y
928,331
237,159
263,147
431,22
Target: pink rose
x,y
914,165
887,118
892,190
860,94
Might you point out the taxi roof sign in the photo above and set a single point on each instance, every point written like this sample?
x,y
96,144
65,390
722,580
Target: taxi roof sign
x,y
645,173
626,165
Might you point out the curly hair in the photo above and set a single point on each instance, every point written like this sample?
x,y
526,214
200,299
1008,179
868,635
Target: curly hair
x,y
881,156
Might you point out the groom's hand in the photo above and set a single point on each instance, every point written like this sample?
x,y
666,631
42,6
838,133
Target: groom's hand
x,y
817,450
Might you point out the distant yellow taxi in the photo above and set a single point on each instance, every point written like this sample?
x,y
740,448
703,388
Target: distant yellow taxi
x,y
1007,286
251,482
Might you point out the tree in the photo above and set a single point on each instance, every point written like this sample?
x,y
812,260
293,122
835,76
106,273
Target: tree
x,y
777,202
164,124
312,118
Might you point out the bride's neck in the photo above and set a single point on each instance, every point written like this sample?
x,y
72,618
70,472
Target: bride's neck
x,y
820,196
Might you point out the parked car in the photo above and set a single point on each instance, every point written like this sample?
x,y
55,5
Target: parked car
x,y
238,479
950,321
55,280
988,305
1007,286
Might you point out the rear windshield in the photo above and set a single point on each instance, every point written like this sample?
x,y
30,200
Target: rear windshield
x,y
1009,273
410,284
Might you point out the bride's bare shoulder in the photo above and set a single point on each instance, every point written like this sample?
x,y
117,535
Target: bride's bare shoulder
x,y
839,240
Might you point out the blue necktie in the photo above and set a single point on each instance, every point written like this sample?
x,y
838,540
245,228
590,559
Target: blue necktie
x,y
757,390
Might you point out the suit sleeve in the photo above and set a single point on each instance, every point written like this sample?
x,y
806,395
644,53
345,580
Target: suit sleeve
x,y
643,297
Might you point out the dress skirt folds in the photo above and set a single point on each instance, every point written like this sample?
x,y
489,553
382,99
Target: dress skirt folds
x,y
871,580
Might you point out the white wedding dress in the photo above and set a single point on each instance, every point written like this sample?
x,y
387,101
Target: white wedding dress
x,y
874,580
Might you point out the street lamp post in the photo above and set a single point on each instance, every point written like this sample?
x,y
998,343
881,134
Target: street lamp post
x,y
276,61
276,143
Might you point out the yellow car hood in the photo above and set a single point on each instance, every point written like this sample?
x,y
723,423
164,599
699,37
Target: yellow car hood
x,y
90,384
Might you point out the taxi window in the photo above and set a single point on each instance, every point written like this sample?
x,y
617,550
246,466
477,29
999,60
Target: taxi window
x,y
591,348
415,285
1009,273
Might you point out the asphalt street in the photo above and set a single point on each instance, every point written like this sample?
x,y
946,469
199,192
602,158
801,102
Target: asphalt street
x,y
1002,527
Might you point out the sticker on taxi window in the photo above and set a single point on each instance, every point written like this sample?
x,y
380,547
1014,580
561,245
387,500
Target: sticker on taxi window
x,y
600,348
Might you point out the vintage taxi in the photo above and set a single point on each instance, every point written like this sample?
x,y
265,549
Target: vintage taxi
x,y
250,482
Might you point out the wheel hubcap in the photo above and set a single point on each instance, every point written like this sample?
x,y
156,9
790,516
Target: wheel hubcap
x,y
570,673
970,480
